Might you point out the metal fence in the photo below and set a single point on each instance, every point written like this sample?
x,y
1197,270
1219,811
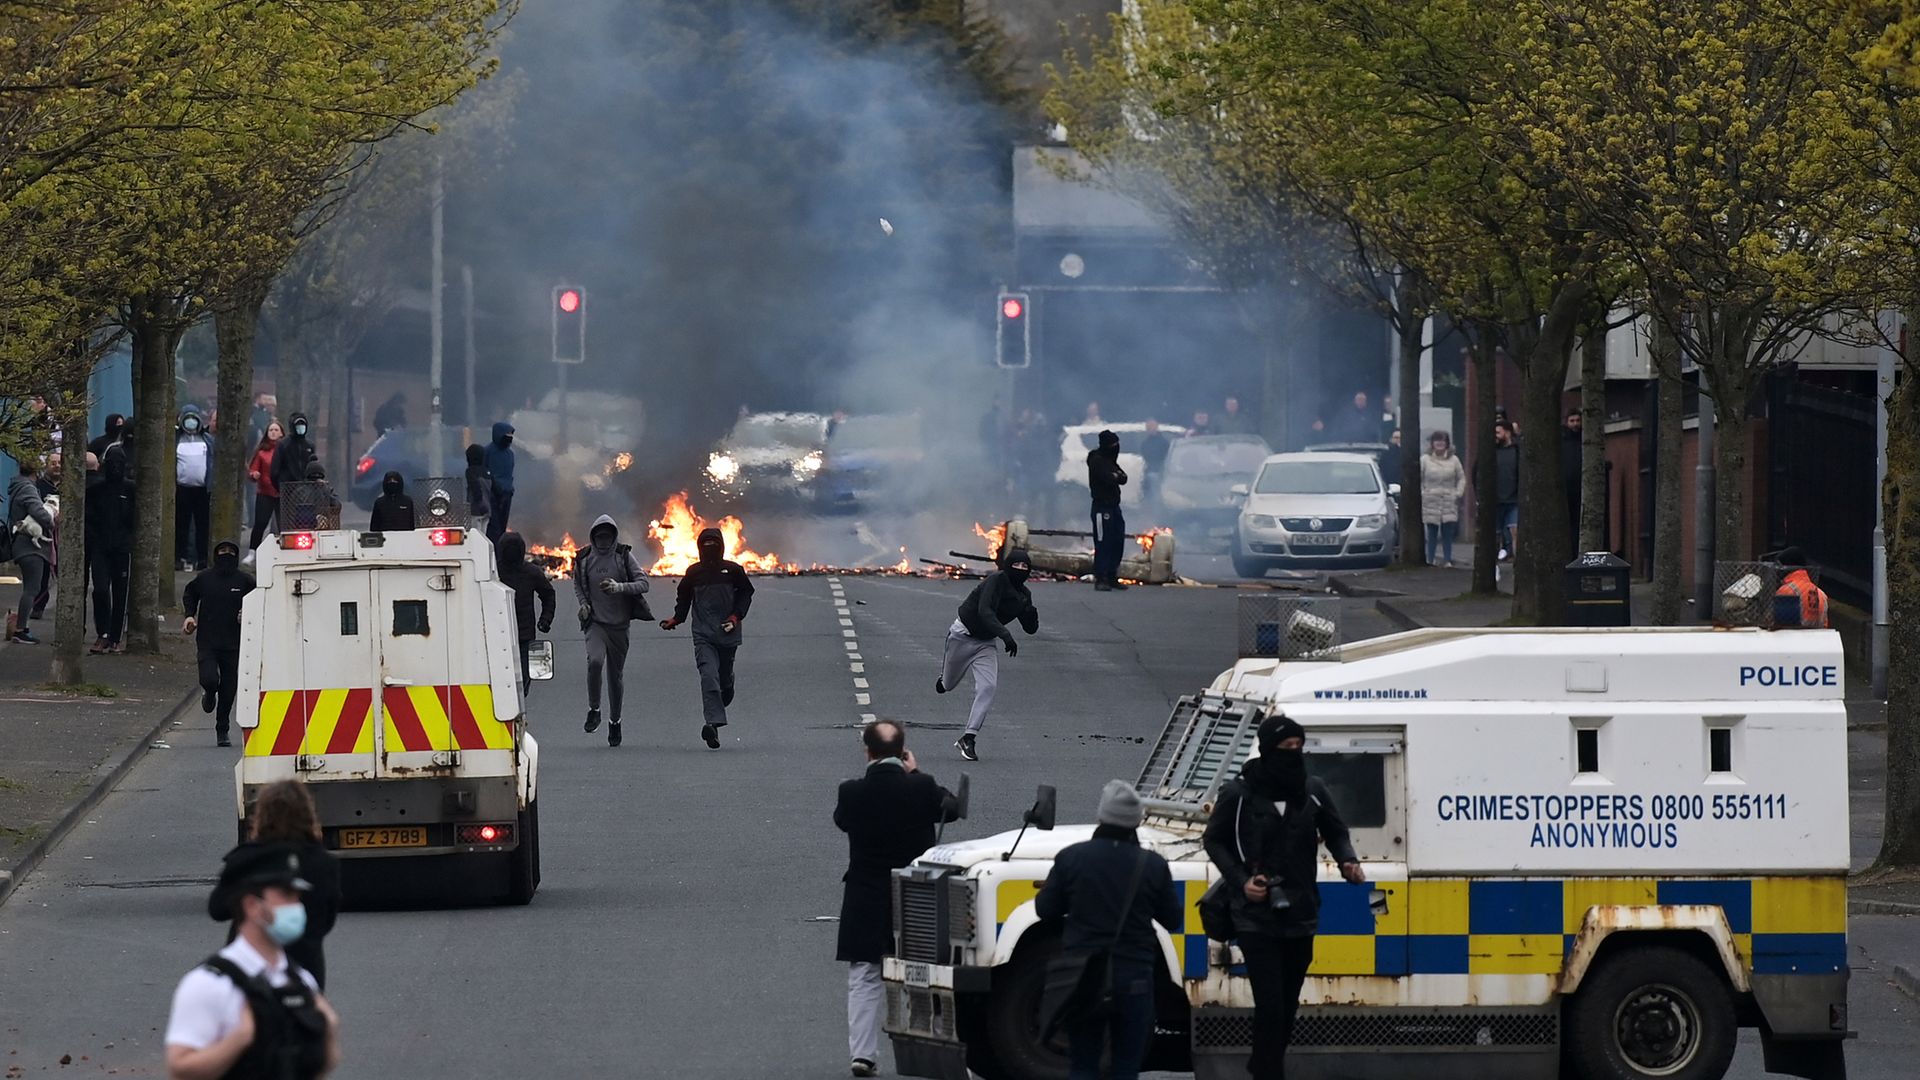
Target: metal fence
x,y
1287,627
308,505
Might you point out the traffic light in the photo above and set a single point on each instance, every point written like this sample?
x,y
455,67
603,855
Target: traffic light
x,y
569,324
1013,337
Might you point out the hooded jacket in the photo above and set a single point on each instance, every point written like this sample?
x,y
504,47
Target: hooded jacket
x,y
614,562
1001,599
479,483
293,455
193,453
110,435
499,457
110,509
714,589
1248,835
393,510
527,580
214,598
1104,474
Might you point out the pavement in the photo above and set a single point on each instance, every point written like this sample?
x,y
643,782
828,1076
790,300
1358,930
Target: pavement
x,y
684,923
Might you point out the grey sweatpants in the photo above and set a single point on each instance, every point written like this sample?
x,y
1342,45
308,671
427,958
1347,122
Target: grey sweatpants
x,y
966,653
716,679
606,649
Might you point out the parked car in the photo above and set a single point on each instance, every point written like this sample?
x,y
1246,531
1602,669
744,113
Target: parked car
x,y
768,457
1315,509
1197,487
872,459
1077,439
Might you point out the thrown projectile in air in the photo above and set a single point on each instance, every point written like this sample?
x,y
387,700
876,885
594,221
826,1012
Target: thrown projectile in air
x,y
886,226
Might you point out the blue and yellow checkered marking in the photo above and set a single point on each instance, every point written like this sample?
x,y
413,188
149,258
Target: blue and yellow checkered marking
x,y
1520,926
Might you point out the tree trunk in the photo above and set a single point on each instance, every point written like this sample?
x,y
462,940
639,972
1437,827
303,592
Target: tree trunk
x,y
1542,543
1412,301
234,329
1900,496
1669,433
1480,438
169,453
1732,386
152,475
1593,439
70,586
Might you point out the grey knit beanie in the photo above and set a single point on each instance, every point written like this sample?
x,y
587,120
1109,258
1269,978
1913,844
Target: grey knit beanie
x,y
1120,805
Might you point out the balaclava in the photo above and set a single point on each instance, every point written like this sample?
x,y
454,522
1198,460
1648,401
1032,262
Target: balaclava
x,y
1286,769
226,556
393,483
1019,566
603,537
712,545
1110,445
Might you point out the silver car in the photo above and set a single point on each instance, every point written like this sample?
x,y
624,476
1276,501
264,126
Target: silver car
x,y
1315,509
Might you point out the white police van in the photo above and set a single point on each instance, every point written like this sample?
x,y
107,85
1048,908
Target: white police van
x,y
1602,852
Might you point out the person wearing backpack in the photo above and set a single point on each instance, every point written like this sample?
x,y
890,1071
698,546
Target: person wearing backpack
x,y
249,1010
1264,836
1109,891
611,587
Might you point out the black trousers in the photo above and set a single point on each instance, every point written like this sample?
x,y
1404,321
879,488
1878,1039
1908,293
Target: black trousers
x,y
110,576
497,523
1277,967
265,507
1109,536
220,676
192,518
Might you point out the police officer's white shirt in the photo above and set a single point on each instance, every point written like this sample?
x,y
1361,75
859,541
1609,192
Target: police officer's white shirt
x,y
207,1006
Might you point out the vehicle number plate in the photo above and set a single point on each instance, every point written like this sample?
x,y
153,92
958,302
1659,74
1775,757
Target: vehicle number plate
x,y
1317,539
918,975
409,836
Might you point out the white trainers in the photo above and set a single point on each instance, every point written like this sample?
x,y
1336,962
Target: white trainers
x,y
247,559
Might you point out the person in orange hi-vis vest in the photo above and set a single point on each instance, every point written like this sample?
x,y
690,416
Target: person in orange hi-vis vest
x,y
1798,601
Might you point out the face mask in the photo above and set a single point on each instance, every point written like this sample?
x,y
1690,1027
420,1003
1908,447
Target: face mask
x,y
1019,573
226,561
603,541
288,924
1290,769
191,426
300,430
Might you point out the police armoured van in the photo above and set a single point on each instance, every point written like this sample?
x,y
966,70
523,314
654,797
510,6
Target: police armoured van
x,y
383,669
1602,852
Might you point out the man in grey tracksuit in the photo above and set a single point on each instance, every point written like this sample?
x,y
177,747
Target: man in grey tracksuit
x,y
611,587
716,594
972,639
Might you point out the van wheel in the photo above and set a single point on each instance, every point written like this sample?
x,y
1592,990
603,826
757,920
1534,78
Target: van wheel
x,y
523,867
1651,1012
1013,1017
1244,564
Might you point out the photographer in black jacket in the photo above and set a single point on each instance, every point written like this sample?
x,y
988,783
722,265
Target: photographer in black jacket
x,y
1264,836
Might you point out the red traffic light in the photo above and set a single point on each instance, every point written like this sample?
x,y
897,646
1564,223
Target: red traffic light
x,y
569,300
1012,308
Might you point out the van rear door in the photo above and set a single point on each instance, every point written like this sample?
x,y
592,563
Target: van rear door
x,y
417,634
317,696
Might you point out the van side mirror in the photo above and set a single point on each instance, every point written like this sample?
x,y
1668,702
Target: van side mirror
x,y
1042,813
540,660
1239,490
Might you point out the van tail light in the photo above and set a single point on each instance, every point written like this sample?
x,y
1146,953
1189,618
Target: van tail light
x,y
501,833
446,537
364,467
301,541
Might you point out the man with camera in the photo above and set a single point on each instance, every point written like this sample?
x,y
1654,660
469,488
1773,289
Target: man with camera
x,y
1264,836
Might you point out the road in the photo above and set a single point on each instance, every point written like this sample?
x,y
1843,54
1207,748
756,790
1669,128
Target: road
x,y
679,926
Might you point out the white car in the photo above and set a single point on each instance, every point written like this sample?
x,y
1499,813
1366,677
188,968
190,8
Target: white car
x,y
1077,439
769,455
1315,509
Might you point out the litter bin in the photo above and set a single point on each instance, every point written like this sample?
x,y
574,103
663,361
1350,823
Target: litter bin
x,y
1598,592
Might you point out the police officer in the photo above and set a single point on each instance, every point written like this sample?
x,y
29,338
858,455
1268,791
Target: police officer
x,y
248,1011
213,618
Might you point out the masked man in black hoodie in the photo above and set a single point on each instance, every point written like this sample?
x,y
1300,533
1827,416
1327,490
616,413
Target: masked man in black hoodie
x,y
213,619
1264,836
528,581
716,594
1001,599
393,510
1105,477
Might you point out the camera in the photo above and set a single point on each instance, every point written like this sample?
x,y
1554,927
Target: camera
x,y
1276,895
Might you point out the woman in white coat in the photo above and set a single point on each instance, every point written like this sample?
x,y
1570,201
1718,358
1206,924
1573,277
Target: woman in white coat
x,y
1443,484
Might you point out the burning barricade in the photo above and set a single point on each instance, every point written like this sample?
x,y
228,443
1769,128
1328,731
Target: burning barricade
x,y
1150,564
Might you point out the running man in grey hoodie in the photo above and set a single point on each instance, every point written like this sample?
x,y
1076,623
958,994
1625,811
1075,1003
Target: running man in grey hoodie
x,y
611,587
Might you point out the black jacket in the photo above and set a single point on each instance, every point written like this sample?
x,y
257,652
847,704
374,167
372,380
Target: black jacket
x,y
996,602
1247,835
1506,473
214,598
110,510
290,460
479,482
711,591
392,513
1571,457
889,816
1089,881
319,867
527,580
1105,476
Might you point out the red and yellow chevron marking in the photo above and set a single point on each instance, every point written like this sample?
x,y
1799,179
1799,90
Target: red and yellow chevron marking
x,y
443,718
312,722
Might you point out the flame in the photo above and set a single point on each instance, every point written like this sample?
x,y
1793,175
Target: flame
x,y
1146,538
679,525
558,560
995,537
905,565
620,463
